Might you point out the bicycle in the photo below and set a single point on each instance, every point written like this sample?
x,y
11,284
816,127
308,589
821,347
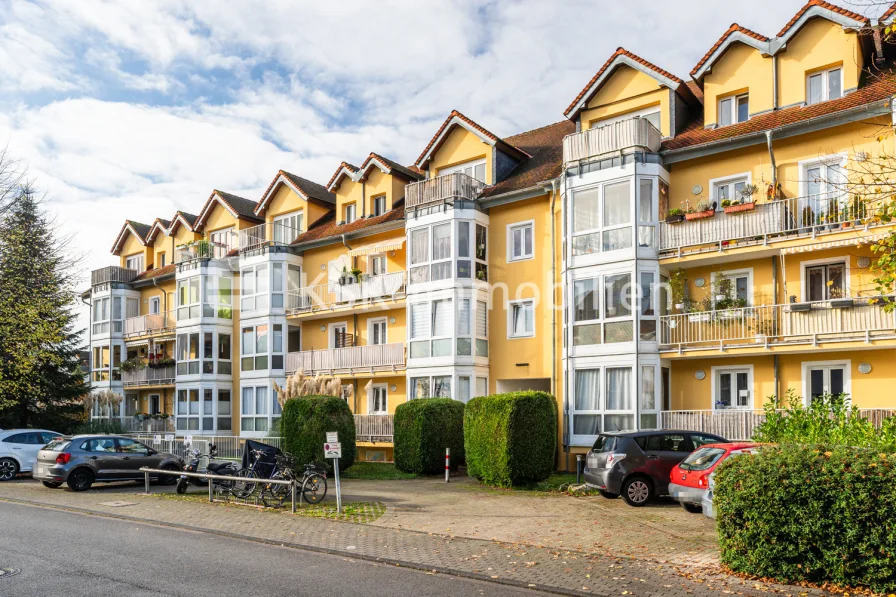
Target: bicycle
x,y
243,489
313,480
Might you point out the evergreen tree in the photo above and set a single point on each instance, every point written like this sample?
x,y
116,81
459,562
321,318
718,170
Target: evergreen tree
x,y
41,382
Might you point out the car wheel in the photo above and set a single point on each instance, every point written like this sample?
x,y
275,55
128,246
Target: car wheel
x,y
608,494
9,468
52,484
637,491
692,508
169,479
80,479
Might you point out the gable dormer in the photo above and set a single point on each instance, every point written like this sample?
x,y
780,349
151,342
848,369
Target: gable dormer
x,y
160,243
181,231
383,183
131,246
295,202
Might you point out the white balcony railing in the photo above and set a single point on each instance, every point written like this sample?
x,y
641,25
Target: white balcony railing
x,y
206,249
373,428
633,133
373,357
148,376
442,189
112,273
267,234
336,294
148,324
845,319
767,222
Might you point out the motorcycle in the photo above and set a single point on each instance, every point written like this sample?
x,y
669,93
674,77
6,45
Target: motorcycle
x,y
224,468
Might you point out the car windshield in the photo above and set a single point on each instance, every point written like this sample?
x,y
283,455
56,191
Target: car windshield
x,y
57,445
702,459
604,443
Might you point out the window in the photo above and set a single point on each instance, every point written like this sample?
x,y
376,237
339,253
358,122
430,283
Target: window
x,y
646,213
821,379
441,252
475,169
254,348
379,205
420,331
208,352
464,328
442,327
254,409
163,259
376,331
822,203
378,400
134,262
586,407
617,306
187,414
420,387
481,386
350,214
649,417
586,313
188,298
377,265
224,363
730,189
101,315
255,283
824,85
667,442
619,400
155,305
522,319
155,404
602,226
224,411
481,329
826,282
221,242
287,227
734,109
188,354
481,253
419,240
648,308
732,290
463,388
733,387
441,386
464,269
519,241
591,414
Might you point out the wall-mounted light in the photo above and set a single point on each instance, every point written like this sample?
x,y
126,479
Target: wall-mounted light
x,y
864,368
392,320
323,267
393,388
699,282
323,328
700,374
863,262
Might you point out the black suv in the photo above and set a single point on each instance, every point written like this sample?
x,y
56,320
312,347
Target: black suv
x,y
637,465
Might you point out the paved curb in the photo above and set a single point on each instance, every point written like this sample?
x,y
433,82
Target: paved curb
x,y
335,552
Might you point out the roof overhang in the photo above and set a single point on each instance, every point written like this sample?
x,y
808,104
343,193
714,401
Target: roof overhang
x,y
447,128
280,179
343,172
155,229
122,234
371,162
811,12
764,48
392,244
362,233
213,199
179,220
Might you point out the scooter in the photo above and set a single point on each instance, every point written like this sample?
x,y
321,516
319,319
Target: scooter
x,y
224,468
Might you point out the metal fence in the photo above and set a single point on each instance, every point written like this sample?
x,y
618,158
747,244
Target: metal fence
x,y
229,446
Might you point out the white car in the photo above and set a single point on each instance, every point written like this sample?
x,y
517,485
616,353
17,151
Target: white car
x,y
19,448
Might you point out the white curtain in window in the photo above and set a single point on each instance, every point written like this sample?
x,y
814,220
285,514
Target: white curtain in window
x,y
648,388
463,389
585,210
463,317
441,318
420,245
645,200
587,389
617,204
441,242
619,388
420,320
481,319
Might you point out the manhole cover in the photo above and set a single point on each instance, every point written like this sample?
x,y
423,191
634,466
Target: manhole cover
x,y
118,504
4,572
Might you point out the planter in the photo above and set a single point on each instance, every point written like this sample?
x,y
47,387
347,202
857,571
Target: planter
x,y
798,307
761,338
674,219
700,215
842,303
728,314
740,207
700,317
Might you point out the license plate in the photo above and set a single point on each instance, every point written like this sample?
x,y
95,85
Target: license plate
x,y
41,470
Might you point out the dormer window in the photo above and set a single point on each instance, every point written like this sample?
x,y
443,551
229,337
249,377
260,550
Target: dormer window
x,y
734,109
379,205
474,169
350,214
824,85
134,262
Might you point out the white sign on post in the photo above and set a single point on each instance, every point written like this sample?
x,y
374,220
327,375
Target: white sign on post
x,y
333,450
156,440
188,441
332,437
169,437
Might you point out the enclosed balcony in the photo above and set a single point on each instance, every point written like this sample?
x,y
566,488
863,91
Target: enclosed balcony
x,y
374,428
150,324
447,189
148,377
350,360
631,134
348,291
112,273
267,235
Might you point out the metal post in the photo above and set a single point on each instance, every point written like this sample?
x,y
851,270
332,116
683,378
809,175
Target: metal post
x,y
211,495
447,464
147,481
578,469
292,488
338,489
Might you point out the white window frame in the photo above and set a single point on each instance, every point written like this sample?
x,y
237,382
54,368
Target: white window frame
x,y
522,226
384,388
735,100
289,221
602,228
734,273
155,305
371,323
825,88
187,307
806,366
645,113
373,260
349,208
734,370
331,327
247,351
468,168
163,259
221,242
373,205
805,266
433,262
511,333
186,365
430,378
260,299
730,182
154,409
134,262
253,413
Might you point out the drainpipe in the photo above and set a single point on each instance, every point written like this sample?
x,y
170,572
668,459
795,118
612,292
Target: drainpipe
x,y
89,336
777,381
771,155
553,298
775,82
775,290
349,248
363,199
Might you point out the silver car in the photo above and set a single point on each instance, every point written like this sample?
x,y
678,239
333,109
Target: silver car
x,y
18,450
83,460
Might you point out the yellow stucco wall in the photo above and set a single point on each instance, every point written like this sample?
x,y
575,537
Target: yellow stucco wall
x,y
377,185
627,90
184,235
741,69
165,290
461,146
219,218
347,192
819,44
132,246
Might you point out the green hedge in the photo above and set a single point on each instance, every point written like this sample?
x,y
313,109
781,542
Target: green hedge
x,y
423,429
305,423
802,513
511,439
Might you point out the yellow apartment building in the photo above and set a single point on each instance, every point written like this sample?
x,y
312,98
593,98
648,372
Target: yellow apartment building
x,y
671,254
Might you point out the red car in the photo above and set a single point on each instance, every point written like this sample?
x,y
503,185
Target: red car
x,y
689,479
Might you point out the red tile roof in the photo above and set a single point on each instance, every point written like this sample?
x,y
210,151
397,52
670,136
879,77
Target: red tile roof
x,y
695,89
822,4
545,145
406,172
327,227
454,113
888,13
155,273
733,28
345,165
620,51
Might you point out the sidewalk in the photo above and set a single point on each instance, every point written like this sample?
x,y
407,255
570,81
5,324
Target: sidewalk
x,y
560,567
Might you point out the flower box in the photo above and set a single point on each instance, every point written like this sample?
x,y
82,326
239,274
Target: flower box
x,y
675,219
842,303
797,307
700,317
739,207
699,215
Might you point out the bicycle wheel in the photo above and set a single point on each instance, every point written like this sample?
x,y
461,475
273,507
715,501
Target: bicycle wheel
x,y
273,494
243,489
314,488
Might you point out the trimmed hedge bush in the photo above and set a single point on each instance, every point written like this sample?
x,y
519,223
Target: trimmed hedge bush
x,y
511,439
803,513
305,423
423,429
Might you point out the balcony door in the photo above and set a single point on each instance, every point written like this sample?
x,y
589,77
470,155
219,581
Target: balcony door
x,y
474,169
155,404
825,378
825,282
338,335
733,387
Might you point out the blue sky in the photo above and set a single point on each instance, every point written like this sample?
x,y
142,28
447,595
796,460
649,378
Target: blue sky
x,y
136,109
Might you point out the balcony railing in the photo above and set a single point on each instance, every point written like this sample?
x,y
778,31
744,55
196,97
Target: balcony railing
x,y
267,234
442,189
825,321
112,273
148,376
148,324
634,133
767,222
147,424
373,428
336,294
353,359
739,424
205,249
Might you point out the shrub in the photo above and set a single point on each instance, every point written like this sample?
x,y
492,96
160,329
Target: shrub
x,y
423,429
305,423
101,426
803,513
511,439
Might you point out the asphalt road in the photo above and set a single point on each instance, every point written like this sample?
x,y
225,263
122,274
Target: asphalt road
x,y
65,553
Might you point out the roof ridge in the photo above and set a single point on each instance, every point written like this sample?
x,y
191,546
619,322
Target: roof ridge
x,y
823,4
536,129
731,29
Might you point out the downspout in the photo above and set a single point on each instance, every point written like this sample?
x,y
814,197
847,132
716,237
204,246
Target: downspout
x,y
363,199
553,302
774,82
636,279
89,337
771,155
775,320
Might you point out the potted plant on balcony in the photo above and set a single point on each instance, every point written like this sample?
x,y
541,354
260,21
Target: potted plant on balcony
x,y
344,277
704,209
807,219
763,328
132,364
356,274
839,298
774,192
744,202
139,417
678,288
163,362
675,215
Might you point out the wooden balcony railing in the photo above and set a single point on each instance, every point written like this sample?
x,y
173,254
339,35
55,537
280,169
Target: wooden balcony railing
x,y
799,323
373,357
442,189
373,428
148,376
634,133
267,234
112,273
148,324
334,294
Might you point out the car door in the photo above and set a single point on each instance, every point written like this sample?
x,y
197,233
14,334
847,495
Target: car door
x,y
102,455
134,456
663,451
17,446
